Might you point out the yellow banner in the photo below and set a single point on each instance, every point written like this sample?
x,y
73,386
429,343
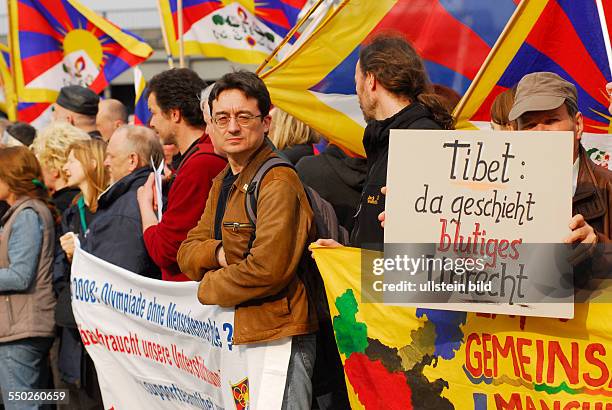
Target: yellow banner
x,y
410,358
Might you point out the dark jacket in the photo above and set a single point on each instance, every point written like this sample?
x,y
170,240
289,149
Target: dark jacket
x,y
297,152
115,235
71,222
367,232
95,134
3,208
593,200
63,198
261,281
71,353
338,178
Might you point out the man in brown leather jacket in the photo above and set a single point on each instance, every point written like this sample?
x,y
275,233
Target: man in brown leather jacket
x,y
254,268
546,102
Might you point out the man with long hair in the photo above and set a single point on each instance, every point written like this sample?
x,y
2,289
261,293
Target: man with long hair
x,y
394,93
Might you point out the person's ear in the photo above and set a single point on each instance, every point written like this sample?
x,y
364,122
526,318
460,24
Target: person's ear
x,y
175,115
371,81
267,120
134,161
579,125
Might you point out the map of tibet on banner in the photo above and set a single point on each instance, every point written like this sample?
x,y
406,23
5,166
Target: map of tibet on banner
x,y
400,358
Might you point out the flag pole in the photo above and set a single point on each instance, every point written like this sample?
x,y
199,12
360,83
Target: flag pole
x,y
11,96
604,31
180,31
538,6
289,35
165,35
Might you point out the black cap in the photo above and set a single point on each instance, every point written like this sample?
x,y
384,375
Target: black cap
x,y
22,132
78,99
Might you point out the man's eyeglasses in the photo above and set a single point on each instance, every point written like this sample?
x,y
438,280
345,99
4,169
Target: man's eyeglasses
x,y
244,120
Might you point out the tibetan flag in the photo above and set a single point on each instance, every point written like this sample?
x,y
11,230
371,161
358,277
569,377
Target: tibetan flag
x,y
316,82
566,37
244,31
408,358
60,42
142,115
37,115
7,90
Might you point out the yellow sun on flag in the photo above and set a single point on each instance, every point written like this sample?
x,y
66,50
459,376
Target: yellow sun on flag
x,y
80,39
248,4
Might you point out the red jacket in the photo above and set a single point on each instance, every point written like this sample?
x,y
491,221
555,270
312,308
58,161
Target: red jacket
x,y
186,202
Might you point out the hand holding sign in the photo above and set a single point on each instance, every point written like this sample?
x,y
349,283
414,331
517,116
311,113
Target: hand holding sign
x,y
158,187
148,203
381,216
146,193
67,243
582,232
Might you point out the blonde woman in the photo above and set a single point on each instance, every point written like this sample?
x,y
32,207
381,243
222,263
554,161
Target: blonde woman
x,y
292,137
51,149
84,170
27,240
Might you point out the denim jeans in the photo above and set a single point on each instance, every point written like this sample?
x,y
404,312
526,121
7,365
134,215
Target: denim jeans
x,y
23,364
298,388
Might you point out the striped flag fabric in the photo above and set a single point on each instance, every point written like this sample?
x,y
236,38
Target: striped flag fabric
x,y
142,115
244,31
61,42
316,82
570,38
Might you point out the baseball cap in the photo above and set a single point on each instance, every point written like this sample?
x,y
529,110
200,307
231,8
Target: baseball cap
x,y
541,91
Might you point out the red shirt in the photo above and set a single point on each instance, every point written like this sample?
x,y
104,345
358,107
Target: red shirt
x,y
186,202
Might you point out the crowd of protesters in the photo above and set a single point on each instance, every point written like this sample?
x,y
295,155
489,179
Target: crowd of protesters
x,y
88,177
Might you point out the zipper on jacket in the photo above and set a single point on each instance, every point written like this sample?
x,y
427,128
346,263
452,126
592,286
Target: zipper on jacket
x,y
237,225
9,310
226,201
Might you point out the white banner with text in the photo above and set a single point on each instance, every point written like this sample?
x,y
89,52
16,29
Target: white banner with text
x,y
156,347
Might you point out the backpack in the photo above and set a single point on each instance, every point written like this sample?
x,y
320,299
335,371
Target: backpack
x,y
328,384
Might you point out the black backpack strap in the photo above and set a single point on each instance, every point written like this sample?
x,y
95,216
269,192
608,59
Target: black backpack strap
x,y
253,189
252,192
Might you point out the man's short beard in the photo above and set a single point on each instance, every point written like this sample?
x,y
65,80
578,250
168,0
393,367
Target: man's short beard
x,y
168,139
367,111
366,117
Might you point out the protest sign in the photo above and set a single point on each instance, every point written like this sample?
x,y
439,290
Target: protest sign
x,y
475,221
156,347
408,358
